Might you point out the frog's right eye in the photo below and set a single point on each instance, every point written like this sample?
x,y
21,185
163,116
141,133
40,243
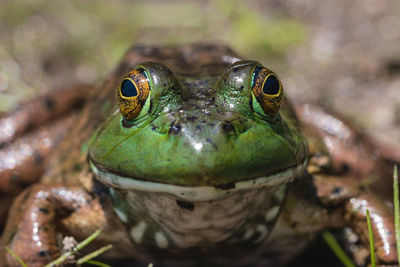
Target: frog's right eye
x,y
133,93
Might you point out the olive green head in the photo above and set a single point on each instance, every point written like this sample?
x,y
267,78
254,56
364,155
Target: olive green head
x,y
210,129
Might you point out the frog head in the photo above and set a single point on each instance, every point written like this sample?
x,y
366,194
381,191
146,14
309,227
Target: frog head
x,y
198,138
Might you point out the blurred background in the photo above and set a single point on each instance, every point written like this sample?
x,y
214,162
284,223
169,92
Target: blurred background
x,y
342,54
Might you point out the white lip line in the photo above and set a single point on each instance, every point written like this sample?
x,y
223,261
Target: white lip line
x,y
196,193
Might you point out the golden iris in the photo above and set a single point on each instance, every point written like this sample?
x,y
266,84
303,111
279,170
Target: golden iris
x,y
132,93
267,89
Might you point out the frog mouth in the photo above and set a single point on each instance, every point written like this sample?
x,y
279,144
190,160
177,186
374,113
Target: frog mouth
x,y
197,193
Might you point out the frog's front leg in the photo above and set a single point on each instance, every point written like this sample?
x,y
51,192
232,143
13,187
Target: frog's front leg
x,y
347,193
31,228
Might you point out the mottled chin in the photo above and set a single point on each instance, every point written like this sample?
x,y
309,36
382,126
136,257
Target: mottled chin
x,y
165,216
197,193
163,221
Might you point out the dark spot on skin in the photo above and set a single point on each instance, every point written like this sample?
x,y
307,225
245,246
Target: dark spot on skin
x,y
77,167
99,189
362,187
336,191
151,106
44,210
211,101
78,104
225,186
185,205
37,159
14,177
192,118
49,103
344,167
393,67
175,128
318,154
29,126
212,143
126,124
251,104
227,127
241,88
44,253
44,229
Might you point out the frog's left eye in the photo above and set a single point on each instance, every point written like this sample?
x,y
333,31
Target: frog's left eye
x,y
267,89
133,93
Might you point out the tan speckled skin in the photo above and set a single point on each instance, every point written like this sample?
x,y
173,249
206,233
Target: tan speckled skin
x,y
74,206
42,110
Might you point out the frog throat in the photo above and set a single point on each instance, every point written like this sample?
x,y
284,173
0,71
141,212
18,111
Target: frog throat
x,y
197,193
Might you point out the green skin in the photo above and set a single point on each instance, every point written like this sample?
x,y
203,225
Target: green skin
x,y
201,153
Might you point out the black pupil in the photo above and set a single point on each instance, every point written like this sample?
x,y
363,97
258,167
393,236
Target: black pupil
x,y
271,85
128,89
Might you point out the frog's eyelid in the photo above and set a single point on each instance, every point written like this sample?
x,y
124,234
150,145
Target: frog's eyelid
x,y
148,76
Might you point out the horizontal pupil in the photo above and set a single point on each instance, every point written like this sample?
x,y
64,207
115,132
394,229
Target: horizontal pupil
x,y
271,85
128,89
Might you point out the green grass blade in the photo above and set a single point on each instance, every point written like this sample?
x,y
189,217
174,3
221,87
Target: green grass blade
x,y
98,263
371,240
88,240
80,246
337,250
15,256
396,207
93,254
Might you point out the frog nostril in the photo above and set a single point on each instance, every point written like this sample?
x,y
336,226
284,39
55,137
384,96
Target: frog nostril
x,y
227,127
175,128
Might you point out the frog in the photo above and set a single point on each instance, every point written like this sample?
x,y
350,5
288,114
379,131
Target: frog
x,y
189,156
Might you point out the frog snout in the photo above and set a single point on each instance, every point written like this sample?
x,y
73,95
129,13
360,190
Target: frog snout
x,y
177,127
